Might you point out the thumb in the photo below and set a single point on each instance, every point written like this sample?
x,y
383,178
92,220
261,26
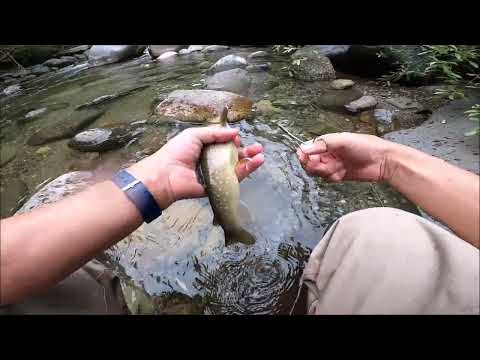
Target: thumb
x,y
314,147
214,134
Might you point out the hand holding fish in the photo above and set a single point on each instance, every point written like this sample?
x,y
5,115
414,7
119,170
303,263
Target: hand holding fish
x,y
170,173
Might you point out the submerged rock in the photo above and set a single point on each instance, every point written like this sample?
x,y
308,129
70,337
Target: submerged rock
x,y
234,80
35,113
364,103
336,100
265,107
65,129
39,69
12,89
60,63
311,66
8,152
403,103
103,139
199,106
227,63
108,54
110,97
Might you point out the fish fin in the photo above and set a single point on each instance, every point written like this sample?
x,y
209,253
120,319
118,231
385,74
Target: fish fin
x,y
224,117
215,221
240,235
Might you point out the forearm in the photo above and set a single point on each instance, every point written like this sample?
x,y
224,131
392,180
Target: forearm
x,y
40,248
444,191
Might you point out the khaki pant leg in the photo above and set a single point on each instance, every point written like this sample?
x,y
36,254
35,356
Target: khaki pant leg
x,y
387,261
93,289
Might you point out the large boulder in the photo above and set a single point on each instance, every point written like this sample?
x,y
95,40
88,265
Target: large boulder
x,y
108,54
227,63
65,129
156,51
309,65
234,80
200,106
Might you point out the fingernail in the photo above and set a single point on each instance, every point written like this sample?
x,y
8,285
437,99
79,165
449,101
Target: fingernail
x,y
306,147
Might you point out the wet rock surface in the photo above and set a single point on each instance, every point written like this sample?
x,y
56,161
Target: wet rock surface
x,y
68,128
199,106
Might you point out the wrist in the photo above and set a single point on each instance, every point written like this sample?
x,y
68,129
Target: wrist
x,y
156,181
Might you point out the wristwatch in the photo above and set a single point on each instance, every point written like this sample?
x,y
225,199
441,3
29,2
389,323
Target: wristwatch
x,y
138,194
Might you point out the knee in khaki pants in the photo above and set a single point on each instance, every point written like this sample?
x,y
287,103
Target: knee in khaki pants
x,y
387,261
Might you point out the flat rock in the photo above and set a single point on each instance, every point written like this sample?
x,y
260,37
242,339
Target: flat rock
x,y
403,103
227,63
364,103
199,106
65,129
341,84
108,54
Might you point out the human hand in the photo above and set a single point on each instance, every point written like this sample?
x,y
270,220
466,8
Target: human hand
x,y
170,173
346,156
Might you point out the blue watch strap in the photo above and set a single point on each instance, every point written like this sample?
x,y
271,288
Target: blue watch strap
x,y
137,192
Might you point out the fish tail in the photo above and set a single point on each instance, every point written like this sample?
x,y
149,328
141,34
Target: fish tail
x,y
239,235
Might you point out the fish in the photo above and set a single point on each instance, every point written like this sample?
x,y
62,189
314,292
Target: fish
x,y
217,163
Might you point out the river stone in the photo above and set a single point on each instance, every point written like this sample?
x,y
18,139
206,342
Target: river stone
x,y
227,63
383,116
257,54
60,63
265,107
43,150
12,193
12,89
74,50
199,106
310,66
35,113
212,48
68,128
56,190
110,97
364,103
341,84
336,100
7,153
403,103
167,55
234,80
102,139
39,69
259,67
108,54
156,51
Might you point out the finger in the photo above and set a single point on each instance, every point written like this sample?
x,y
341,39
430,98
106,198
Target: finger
x,y
237,141
302,157
317,147
214,134
336,177
250,151
245,168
